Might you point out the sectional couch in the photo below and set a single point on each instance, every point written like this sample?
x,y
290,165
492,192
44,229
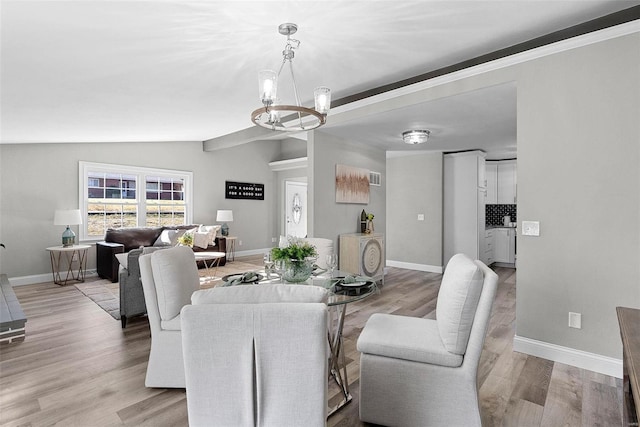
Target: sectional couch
x,y
123,240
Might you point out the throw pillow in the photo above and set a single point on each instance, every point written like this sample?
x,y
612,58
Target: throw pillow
x,y
123,259
212,230
457,302
201,239
168,238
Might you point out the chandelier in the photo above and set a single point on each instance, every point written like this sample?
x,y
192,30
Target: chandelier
x,y
291,118
415,136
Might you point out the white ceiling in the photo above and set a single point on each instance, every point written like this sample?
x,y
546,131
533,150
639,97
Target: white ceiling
x,y
103,71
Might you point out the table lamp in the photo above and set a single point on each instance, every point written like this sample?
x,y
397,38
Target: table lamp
x,y
68,217
224,216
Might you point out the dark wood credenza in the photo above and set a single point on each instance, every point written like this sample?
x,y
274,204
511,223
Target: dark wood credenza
x,y
629,321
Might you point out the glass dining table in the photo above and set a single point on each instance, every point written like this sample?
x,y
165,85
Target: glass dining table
x,y
343,289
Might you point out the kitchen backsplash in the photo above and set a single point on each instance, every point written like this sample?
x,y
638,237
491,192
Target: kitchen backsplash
x,y
494,214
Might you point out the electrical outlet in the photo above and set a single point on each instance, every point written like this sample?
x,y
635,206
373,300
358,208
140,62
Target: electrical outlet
x,y
274,239
420,217
74,257
575,320
239,242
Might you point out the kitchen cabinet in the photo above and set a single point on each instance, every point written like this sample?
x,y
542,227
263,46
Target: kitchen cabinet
x,y
464,204
504,249
507,182
501,182
487,254
491,176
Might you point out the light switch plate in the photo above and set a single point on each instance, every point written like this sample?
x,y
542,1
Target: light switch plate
x,y
530,228
575,320
420,217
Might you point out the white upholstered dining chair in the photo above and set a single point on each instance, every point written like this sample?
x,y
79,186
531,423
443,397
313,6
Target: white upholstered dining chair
x,y
422,372
250,361
169,278
323,246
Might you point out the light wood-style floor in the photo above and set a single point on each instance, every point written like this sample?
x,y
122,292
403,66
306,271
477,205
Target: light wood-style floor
x,y
77,367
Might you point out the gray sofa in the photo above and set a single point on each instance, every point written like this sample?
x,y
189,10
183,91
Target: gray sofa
x,y
132,301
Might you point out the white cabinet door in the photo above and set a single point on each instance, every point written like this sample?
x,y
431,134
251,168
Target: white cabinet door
x,y
512,245
488,248
507,183
501,245
504,247
491,175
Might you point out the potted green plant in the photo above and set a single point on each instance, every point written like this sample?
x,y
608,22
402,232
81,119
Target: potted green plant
x,y
299,256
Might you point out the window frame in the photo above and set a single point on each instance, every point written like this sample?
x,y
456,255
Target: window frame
x,y
141,174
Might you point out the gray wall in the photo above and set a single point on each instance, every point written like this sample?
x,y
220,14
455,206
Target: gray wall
x,y
578,174
330,219
37,179
414,186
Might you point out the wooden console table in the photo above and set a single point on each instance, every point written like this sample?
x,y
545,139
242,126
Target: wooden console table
x,y
629,321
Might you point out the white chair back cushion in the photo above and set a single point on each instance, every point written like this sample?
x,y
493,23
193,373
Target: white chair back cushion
x,y
258,294
277,375
457,302
324,247
176,277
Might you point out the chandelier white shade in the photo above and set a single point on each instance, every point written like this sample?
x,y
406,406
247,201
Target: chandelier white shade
x,y
289,117
415,136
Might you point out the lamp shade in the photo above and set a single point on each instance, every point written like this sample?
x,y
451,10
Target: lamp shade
x,y
224,216
67,217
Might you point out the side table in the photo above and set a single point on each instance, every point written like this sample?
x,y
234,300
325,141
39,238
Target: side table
x,y
231,247
214,257
73,259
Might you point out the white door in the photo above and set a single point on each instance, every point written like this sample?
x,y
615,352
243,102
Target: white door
x,y
295,206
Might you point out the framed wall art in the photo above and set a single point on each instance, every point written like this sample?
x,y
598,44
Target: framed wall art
x,y
352,185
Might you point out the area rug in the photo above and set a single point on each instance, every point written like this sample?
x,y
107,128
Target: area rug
x,y
104,293
107,294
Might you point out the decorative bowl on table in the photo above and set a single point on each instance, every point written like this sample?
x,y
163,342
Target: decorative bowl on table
x,y
298,270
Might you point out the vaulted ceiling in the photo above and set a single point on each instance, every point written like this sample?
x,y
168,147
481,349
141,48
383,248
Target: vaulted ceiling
x,y
103,71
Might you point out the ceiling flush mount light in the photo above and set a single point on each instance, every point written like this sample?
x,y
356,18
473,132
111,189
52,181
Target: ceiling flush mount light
x,y
414,137
291,118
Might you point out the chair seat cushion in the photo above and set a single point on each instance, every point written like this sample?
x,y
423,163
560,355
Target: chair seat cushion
x,y
259,294
407,338
171,325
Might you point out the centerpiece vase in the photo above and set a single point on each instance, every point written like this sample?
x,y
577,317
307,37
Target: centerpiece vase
x,y
298,270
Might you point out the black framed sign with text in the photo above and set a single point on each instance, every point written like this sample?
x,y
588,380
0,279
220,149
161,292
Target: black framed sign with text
x,y
243,190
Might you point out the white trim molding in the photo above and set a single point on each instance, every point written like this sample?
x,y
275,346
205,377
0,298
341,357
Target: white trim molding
x,y
43,278
569,356
413,266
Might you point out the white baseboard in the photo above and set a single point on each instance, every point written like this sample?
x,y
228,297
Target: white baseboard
x,y
41,278
569,356
418,267
252,252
